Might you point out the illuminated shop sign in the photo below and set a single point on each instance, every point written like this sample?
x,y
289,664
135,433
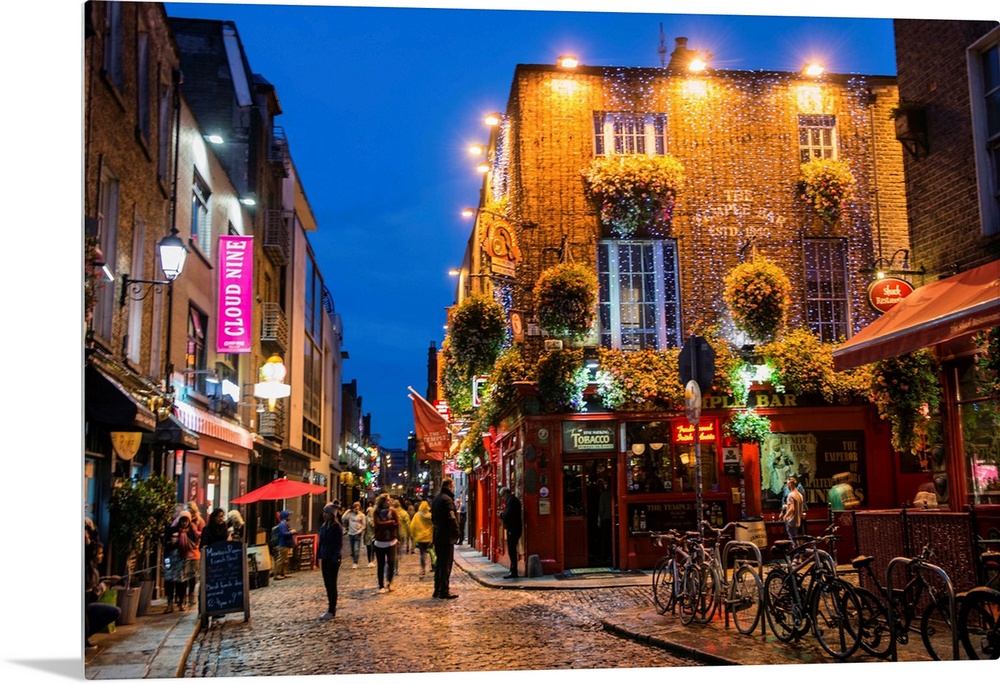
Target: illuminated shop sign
x,y
580,438
684,432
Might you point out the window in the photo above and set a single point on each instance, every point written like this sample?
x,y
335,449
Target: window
x,y
195,358
984,70
142,84
163,133
629,133
135,309
107,231
201,216
638,304
827,309
113,64
817,137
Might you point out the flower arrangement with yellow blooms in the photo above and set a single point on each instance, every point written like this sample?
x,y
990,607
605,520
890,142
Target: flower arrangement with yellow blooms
x,y
566,300
635,191
756,293
826,184
906,390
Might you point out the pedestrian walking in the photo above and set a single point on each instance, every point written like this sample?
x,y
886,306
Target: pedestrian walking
x,y
404,530
411,511
444,517
386,541
236,525
216,530
791,511
331,540
368,538
193,558
511,517
463,516
181,540
422,533
286,542
354,522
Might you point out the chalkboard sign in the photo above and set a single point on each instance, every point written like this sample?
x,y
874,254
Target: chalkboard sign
x,y
224,580
305,551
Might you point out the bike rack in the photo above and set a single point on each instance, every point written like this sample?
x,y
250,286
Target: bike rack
x,y
893,656
737,544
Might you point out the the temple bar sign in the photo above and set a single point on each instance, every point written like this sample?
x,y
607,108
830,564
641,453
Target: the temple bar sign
x,y
579,438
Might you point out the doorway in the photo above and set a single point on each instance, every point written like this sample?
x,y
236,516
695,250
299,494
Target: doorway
x,y
588,513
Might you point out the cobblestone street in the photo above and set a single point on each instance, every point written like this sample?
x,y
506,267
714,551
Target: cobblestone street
x,y
407,631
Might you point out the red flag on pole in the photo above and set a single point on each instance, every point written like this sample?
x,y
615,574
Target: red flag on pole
x,y
433,436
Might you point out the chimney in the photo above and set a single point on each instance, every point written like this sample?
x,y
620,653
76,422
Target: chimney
x,y
681,55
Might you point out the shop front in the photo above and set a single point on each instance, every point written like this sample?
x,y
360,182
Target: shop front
x,y
595,485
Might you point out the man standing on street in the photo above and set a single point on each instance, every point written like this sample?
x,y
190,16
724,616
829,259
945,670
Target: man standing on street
x,y
511,517
444,518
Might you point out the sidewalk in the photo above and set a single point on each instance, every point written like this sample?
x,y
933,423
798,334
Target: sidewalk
x,y
157,645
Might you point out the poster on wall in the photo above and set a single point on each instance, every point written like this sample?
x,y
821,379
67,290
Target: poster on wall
x,y
814,458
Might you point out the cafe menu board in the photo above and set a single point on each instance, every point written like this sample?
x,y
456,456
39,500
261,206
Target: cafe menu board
x,y
224,580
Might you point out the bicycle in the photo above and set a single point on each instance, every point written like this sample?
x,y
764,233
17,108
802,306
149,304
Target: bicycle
x,y
742,595
978,620
665,575
804,592
875,629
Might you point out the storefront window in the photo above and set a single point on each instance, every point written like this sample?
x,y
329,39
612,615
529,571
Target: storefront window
x,y
661,457
980,420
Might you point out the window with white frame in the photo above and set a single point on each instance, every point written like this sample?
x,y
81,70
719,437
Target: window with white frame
x,y
639,298
984,72
817,137
827,303
201,215
107,231
620,133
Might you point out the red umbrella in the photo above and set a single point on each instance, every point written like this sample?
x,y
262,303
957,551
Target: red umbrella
x,y
282,488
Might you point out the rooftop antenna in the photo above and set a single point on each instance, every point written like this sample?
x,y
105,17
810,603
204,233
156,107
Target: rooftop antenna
x,y
662,49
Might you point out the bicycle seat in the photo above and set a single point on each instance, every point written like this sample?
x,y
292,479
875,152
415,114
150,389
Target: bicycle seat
x,y
862,561
781,547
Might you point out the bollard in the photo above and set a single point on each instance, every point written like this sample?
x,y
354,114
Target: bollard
x,y
534,566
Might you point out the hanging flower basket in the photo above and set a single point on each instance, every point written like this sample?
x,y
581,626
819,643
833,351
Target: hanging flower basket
x,y
634,192
476,333
988,363
562,380
756,293
826,184
748,427
566,300
906,390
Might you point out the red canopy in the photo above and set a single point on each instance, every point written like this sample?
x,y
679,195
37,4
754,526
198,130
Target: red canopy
x,y
932,314
282,488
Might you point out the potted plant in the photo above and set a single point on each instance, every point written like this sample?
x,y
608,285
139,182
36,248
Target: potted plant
x,y
988,363
635,191
748,427
139,512
826,184
756,293
566,300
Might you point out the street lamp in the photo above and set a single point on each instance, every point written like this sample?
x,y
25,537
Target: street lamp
x,y
172,253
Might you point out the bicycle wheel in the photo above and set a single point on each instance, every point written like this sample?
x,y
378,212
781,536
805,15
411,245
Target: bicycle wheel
x,y
690,590
875,636
708,598
979,624
663,584
935,630
783,615
747,595
836,617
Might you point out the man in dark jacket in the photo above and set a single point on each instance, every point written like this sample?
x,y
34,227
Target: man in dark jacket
x,y
511,516
444,518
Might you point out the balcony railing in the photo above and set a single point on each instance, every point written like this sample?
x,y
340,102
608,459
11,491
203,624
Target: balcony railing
x,y
277,235
271,424
277,151
273,329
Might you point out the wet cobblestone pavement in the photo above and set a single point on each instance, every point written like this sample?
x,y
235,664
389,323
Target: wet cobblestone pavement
x,y
407,631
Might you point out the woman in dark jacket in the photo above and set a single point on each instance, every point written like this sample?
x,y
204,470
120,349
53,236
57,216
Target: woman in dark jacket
x,y
386,539
331,540
216,530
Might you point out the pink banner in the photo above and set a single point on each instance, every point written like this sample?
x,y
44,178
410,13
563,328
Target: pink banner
x,y
235,293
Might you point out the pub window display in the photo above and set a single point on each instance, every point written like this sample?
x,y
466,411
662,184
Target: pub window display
x,y
656,464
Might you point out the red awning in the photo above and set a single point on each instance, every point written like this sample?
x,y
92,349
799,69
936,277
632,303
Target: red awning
x,y
932,314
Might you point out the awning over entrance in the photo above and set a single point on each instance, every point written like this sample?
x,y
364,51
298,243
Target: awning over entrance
x,y
170,433
932,314
107,401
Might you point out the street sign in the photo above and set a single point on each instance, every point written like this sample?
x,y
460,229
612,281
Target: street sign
x,y
692,402
697,362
